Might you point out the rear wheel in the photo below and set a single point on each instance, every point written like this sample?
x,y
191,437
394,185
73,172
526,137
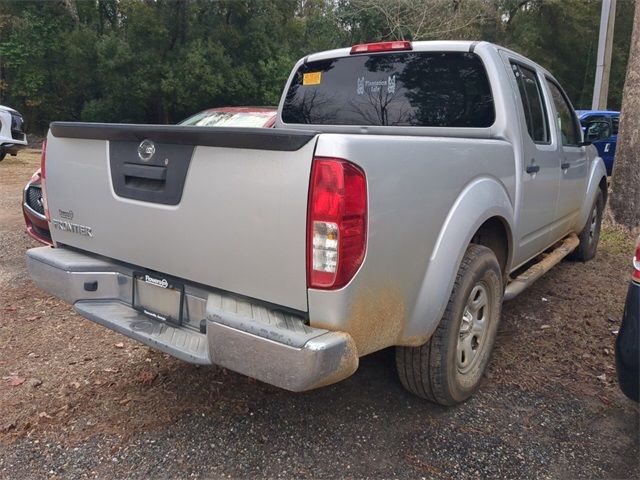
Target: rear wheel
x,y
449,367
590,234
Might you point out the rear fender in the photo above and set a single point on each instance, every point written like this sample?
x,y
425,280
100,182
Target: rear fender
x,y
483,198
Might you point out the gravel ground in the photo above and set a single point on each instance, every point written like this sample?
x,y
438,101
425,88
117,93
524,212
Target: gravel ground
x,y
96,405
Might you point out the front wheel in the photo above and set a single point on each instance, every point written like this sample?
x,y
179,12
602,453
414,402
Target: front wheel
x,y
449,367
590,234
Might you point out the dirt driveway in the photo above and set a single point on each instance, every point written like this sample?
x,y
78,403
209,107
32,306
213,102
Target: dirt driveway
x,y
79,401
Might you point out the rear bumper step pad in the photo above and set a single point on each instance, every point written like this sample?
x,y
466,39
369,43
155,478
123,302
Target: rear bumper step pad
x,y
182,343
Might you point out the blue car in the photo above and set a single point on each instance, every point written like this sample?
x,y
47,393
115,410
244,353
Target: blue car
x,y
601,128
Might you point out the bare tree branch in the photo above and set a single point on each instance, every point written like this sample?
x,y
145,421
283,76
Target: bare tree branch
x,y
421,20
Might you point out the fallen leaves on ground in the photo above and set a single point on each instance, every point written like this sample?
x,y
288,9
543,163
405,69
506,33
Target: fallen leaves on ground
x,y
15,381
146,377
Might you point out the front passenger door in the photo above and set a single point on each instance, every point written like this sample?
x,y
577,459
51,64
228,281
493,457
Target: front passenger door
x,y
573,164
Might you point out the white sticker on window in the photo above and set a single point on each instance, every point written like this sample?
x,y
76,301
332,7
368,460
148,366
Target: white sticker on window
x,y
374,86
391,84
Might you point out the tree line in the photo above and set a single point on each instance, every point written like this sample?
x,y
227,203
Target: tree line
x,y
158,61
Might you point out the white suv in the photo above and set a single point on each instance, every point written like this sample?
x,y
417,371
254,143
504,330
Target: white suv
x,y
12,136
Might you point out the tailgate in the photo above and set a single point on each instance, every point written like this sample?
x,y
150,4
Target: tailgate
x,y
224,207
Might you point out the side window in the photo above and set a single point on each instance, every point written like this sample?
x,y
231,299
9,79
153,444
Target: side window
x,y
597,130
566,117
532,103
596,127
615,122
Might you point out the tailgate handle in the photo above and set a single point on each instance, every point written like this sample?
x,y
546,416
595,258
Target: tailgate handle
x,y
150,172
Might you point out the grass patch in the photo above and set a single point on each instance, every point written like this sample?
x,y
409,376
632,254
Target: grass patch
x,y
616,239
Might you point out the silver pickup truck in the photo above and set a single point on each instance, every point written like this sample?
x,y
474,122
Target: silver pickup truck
x,y
406,190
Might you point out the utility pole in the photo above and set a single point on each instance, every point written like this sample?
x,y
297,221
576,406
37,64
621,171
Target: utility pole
x,y
603,62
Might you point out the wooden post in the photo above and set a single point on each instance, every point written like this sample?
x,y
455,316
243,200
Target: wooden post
x,y
603,63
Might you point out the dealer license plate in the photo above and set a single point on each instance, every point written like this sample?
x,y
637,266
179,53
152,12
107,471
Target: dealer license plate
x,y
158,297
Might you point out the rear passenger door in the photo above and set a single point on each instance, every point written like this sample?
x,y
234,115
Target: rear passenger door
x,y
541,167
573,160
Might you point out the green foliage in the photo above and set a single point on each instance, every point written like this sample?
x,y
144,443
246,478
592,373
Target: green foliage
x,y
562,36
158,61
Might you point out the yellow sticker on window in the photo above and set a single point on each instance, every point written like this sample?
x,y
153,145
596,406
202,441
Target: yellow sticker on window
x,y
311,78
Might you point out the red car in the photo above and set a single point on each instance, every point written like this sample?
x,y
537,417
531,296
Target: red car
x,y
264,117
33,210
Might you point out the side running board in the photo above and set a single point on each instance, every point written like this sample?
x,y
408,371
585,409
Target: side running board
x,y
524,280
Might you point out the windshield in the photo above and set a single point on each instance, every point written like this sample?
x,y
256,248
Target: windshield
x,y
213,118
425,89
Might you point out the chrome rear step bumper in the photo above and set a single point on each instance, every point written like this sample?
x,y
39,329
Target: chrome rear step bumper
x,y
264,343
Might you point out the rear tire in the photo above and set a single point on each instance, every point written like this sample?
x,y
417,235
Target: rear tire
x,y
449,367
590,234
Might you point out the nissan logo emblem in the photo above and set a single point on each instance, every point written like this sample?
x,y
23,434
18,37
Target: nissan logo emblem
x,y
146,150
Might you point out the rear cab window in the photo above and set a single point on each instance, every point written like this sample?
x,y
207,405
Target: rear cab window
x,y
420,89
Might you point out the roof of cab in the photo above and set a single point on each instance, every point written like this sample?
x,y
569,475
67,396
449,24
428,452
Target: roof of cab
x,y
434,45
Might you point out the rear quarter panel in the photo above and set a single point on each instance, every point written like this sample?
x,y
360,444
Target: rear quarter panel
x,y
414,183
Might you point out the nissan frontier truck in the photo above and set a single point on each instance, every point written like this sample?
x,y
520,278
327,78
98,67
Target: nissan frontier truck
x,y
407,189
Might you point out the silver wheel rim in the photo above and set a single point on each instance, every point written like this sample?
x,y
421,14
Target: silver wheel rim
x,y
473,328
594,223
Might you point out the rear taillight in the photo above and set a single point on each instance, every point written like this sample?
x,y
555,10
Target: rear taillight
x,y
397,45
43,175
636,263
337,222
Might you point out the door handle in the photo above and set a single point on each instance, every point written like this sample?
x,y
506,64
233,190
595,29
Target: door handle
x,y
531,169
564,166
150,172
